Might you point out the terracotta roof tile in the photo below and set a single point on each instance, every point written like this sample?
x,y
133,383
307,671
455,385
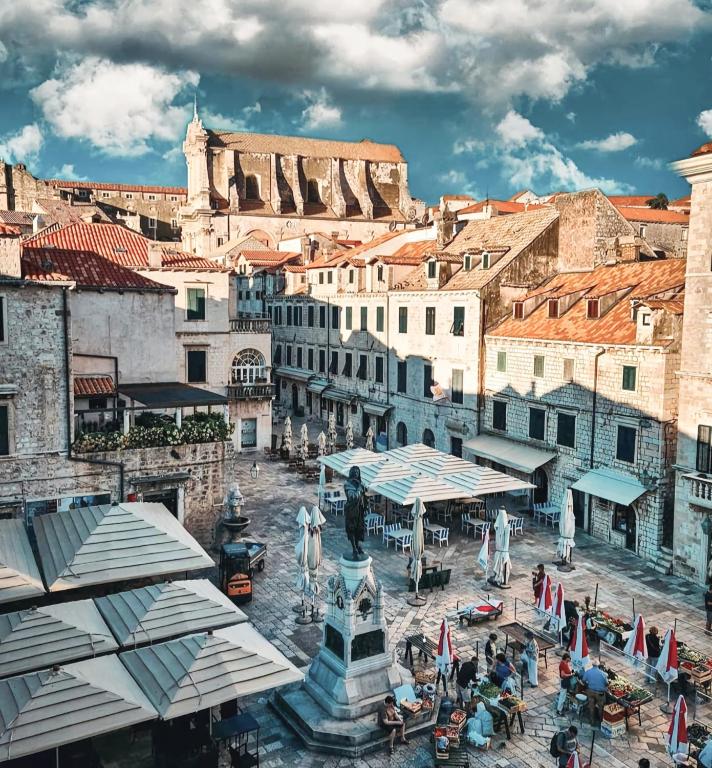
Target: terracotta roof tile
x,y
333,258
296,268
633,201
89,386
681,202
705,149
306,147
63,213
409,254
646,280
107,185
502,206
654,215
16,217
514,233
8,230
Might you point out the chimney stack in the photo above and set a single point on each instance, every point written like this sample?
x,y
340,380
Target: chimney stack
x,y
155,255
10,265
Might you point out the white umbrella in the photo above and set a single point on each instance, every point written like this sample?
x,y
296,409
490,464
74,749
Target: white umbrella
x,y
369,439
314,551
567,528
300,551
331,432
321,440
302,517
483,557
677,739
304,442
417,545
501,564
636,645
287,434
322,483
349,436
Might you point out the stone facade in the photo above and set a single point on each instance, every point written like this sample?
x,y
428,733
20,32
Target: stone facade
x,y
670,239
693,483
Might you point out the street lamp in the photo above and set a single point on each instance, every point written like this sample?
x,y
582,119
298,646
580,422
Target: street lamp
x,y
254,471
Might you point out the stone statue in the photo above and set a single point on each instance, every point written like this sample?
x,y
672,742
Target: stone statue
x,y
354,512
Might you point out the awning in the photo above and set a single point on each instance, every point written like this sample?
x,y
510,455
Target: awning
x,y
406,490
160,611
455,425
508,452
44,710
101,544
342,461
53,634
170,395
618,487
318,385
19,575
480,481
338,395
288,372
376,409
200,671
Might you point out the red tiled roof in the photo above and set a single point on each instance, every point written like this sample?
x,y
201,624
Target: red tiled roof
x,y
7,230
106,185
631,201
409,254
645,279
86,268
458,197
271,256
334,258
673,306
502,206
16,217
654,215
298,268
88,386
681,202
705,149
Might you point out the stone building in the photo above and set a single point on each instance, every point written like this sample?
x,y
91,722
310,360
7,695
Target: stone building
x,y
693,477
278,187
665,231
580,392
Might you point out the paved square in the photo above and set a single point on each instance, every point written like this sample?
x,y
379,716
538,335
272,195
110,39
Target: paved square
x,y
272,502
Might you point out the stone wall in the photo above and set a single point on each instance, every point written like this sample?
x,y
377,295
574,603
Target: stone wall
x,y
19,188
671,238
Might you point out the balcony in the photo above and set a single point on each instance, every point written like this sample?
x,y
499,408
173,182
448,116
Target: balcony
x,y
251,325
700,492
250,391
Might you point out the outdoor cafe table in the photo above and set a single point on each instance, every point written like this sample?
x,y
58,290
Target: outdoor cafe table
x,y
516,631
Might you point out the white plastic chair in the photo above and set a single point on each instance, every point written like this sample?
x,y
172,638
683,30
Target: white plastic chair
x,y
388,530
404,542
337,506
374,523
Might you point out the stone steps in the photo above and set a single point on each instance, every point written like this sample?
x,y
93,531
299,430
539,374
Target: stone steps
x,y
662,561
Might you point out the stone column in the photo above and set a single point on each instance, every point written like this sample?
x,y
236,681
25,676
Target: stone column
x,y
297,185
338,203
179,417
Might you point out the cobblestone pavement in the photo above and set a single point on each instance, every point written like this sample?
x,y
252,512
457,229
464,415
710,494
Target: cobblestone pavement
x,y
272,502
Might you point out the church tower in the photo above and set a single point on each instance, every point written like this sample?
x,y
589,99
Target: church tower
x,y
196,215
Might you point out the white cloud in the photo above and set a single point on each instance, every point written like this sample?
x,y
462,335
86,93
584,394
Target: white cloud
x,y
319,112
517,130
704,120
68,172
23,146
616,142
655,163
571,117
119,108
457,182
218,121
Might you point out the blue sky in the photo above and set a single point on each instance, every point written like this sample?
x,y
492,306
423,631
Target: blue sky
x,y
482,96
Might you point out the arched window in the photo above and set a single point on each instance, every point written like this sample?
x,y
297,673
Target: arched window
x,y
313,195
252,188
248,367
401,434
429,438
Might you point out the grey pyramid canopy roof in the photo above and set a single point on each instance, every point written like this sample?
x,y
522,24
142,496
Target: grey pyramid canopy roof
x,y
40,637
166,610
96,545
199,671
43,710
19,575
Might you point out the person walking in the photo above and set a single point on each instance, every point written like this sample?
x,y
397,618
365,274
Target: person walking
x,y
567,678
708,606
530,659
466,675
652,645
567,743
538,581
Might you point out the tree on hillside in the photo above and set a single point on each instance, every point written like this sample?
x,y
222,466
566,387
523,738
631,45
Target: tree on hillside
x,y
659,202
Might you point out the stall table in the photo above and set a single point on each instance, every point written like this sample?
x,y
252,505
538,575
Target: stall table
x,y
429,649
516,631
241,734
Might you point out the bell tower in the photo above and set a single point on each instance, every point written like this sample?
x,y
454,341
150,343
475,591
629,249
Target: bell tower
x,y
196,215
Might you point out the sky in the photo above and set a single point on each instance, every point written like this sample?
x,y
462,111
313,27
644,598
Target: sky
x,y
483,97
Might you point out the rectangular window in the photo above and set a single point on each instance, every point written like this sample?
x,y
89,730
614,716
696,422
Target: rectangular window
x,y
289,354
310,317
499,415
430,321
4,430
592,309
539,366
330,277
351,276
456,446
310,359
502,362
402,319
3,320
569,368
518,310
152,223
97,403
537,423
335,318
321,278
629,376
566,430
625,444
458,321
704,448
348,312
402,376
334,364
553,308
379,370
322,317
432,270
380,315
364,318
174,223
196,362
362,372
300,357
379,274
348,360
195,302
322,361
427,380
289,314
456,394
277,354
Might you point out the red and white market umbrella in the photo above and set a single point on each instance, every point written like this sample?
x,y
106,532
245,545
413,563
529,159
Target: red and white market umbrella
x,y
578,645
558,611
545,602
668,662
636,646
443,661
676,738
574,761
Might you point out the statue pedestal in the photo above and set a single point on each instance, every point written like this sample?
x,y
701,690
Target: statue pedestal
x,y
334,709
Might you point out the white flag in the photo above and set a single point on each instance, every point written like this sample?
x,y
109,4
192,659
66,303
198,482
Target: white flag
x,y
483,557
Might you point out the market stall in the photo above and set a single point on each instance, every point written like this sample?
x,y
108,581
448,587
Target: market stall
x,y
699,735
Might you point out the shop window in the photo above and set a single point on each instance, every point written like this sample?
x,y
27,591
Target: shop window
x,y
401,434
537,423
630,373
195,302
539,366
402,319
499,415
502,362
625,444
624,522
566,430
196,364
430,321
429,438
402,376
704,448
380,315
456,389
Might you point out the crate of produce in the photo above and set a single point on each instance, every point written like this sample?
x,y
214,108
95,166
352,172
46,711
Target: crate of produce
x,y
458,718
413,707
613,713
453,734
423,677
612,730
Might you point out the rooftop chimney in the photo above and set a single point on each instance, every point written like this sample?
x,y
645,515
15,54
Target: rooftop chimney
x,y
155,255
10,252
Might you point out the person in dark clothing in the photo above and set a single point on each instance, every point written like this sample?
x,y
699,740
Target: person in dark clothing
x,y
708,606
491,651
652,644
538,581
466,675
567,744
503,668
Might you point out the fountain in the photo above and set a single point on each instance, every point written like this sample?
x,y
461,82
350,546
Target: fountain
x,y
233,522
